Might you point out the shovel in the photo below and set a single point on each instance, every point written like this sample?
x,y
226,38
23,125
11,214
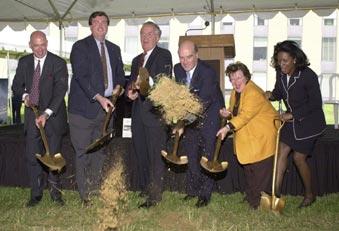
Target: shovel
x,y
143,81
106,136
214,166
53,162
172,157
273,202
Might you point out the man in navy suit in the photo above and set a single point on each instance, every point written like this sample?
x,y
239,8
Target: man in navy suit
x,y
199,137
92,84
149,135
48,73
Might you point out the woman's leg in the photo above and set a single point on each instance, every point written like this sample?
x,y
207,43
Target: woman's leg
x,y
305,173
284,150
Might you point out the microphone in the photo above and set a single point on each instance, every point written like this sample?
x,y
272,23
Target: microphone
x,y
207,23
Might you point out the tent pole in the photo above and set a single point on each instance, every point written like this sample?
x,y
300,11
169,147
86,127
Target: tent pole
x,y
60,38
212,17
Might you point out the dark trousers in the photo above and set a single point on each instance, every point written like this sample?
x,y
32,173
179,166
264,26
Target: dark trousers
x,y
258,178
199,182
88,166
36,169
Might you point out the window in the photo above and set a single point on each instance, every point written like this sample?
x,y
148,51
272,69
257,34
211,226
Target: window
x,y
328,21
71,33
296,39
328,49
260,48
259,21
260,78
131,39
295,22
165,36
197,24
227,25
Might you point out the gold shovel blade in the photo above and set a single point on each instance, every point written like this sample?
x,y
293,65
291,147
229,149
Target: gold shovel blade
x,y
265,201
56,162
213,166
96,144
179,160
268,202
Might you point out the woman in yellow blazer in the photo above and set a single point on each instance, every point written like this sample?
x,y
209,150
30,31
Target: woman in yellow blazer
x,y
251,118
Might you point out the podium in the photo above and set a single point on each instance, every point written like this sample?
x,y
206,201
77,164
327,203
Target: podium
x,y
214,49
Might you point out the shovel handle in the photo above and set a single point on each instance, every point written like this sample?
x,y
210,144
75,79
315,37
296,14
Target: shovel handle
x,y
117,91
218,143
41,129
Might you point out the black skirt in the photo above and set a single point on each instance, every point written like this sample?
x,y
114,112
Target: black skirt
x,y
303,146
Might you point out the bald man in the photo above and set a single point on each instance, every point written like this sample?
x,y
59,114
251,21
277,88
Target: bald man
x,y
51,86
199,137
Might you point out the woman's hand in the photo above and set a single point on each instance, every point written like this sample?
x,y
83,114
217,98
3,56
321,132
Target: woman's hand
x,y
223,132
286,116
225,113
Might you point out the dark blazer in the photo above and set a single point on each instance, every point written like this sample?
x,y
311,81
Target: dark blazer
x,y
53,86
302,97
87,79
160,61
205,84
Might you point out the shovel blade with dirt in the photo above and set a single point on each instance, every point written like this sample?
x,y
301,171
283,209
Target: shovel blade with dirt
x,y
53,162
214,166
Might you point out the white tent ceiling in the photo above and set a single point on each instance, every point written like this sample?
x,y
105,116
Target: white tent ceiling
x,y
19,13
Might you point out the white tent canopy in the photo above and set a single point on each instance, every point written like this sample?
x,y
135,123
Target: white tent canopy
x,y
19,13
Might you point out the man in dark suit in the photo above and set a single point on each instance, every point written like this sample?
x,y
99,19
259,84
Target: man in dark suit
x,y
97,68
47,74
199,137
149,135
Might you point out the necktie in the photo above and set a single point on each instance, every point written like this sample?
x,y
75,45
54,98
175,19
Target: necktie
x,y
34,94
188,78
104,64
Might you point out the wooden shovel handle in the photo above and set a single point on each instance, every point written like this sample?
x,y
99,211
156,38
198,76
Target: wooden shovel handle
x,y
41,129
218,143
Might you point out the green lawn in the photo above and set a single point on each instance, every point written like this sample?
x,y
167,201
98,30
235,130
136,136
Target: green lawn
x,y
225,212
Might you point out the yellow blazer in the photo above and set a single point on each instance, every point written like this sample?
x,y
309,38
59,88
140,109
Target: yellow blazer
x,y
255,132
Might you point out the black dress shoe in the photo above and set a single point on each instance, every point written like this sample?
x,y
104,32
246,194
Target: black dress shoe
x,y
86,203
33,202
147,204
188,197
202,202
59,201
307,202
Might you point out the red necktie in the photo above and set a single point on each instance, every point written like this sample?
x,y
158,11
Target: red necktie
x,y
104,64
34,94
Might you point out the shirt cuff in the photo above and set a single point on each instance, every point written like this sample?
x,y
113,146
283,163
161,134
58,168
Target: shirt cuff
x,y
24,96
49,112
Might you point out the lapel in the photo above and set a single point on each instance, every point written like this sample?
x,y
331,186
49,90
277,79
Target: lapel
x,y
94,49
195,76
151,58
111,56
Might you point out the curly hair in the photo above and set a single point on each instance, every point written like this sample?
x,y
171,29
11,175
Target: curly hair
x,y
234,67
293,49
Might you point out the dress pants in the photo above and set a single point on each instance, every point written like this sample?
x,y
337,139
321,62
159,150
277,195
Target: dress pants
x,y
258,179
88,165
198,182
36,169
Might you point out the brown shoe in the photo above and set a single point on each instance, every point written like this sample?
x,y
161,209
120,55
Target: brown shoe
x,y
307,202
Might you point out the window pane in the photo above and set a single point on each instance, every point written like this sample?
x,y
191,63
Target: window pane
x,y
328,49
295,22
328,21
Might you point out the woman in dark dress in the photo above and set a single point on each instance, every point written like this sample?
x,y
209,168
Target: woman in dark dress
x,y
297,85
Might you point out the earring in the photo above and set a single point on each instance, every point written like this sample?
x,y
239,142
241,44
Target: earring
x,y
294,61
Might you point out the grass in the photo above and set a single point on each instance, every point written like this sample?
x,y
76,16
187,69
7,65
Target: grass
x,y
225,212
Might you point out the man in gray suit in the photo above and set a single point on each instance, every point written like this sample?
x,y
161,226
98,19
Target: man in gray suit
x,y
47,74
92,84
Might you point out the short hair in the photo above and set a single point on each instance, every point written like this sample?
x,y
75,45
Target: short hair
x,y
293,49
238,66
156,27
95,14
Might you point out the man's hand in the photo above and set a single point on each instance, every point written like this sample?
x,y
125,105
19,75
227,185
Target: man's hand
x,y
41,120
26,101
104,102
179,127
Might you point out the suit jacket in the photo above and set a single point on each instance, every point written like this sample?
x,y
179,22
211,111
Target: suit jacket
x,y
159,61
255,131
53,86
205,84
302,97
88,79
